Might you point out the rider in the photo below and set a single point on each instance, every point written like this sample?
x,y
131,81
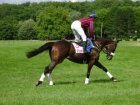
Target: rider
x,y
83,28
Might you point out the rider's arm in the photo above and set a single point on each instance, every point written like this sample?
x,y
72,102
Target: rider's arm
x,y
91,29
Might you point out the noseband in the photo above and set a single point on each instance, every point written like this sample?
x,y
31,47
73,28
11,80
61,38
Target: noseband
x,y
107,52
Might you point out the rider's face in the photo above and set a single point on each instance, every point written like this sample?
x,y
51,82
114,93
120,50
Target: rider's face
x,y
93,19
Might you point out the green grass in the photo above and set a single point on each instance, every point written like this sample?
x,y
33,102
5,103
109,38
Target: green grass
x,y
18,76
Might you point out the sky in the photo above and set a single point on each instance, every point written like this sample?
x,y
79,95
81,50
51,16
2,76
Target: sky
x,y
23,1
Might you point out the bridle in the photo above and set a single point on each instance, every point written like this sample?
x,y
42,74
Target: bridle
x,y
104,49
107,52
97,46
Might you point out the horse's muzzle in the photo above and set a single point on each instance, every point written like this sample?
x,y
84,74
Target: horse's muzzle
x,y
109,57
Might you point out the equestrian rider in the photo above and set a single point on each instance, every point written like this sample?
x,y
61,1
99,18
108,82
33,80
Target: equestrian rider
x,y
84,28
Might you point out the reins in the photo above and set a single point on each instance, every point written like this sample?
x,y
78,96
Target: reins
x,y
98,47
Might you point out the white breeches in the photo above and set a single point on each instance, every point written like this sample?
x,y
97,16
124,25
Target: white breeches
x,y
78,31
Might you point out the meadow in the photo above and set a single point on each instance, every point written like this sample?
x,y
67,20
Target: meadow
x,y
18,76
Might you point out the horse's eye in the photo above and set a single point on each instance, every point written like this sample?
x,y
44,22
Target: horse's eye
x,y
113,50
106,48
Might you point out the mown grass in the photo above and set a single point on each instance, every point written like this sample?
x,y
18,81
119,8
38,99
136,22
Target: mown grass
x,y
18,76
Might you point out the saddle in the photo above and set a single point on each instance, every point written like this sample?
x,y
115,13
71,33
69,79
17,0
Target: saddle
x,y
79,46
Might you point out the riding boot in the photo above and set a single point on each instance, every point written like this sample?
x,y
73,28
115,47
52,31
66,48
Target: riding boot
x,y
84,46
85,51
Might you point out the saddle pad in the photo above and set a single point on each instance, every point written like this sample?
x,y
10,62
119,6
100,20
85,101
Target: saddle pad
x,y
78,49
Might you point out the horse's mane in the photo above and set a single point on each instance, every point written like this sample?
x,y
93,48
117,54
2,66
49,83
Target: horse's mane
x,y
104,40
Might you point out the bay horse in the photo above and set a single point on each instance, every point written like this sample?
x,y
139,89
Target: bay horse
x,y
60,50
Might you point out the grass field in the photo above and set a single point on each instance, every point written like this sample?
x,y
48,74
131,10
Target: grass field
x,y
18,76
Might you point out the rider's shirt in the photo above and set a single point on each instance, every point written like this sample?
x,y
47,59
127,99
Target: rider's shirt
x,y
87,23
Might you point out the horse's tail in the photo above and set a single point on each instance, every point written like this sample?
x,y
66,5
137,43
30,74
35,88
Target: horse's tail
x,y
46,46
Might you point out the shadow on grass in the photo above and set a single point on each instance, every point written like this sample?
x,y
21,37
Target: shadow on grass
x,y
65,82
91,81
104,81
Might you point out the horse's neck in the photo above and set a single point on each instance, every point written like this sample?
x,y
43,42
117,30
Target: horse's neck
x,y
100,43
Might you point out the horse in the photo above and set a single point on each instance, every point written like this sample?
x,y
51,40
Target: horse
x,y
63,49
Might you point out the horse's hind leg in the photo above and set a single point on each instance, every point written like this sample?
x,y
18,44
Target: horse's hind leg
x,y
47,71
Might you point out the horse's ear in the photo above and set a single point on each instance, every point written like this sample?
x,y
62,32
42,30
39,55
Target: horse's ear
x,y
116,40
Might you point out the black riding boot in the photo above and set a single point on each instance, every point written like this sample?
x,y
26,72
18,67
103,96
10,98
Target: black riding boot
x,y
86,57
84,46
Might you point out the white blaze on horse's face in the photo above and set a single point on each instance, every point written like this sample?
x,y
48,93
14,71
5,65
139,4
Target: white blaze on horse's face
x,y
110,55
110,49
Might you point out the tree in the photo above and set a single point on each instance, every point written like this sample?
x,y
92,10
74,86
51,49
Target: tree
x,y
8,28
74,15
117,17
99,25
27,31
53,23
137,19
120,22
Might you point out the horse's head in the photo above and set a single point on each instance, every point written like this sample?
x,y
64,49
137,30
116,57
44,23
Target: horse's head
x,y
108,46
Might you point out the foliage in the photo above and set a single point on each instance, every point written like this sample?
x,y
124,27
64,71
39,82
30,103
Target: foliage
x,y
74,15
27,31
100,20
8,28
120,22
53,23
137,19
119,18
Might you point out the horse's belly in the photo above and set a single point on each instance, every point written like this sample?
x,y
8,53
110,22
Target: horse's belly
x,y
77,58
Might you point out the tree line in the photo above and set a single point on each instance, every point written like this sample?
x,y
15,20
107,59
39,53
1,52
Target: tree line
x,y
52,20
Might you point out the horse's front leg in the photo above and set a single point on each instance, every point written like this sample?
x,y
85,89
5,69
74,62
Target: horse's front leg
x,y
98,64
90,65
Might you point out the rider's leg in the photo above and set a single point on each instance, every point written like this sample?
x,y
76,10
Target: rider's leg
x,y
77,37
79,32
83,36
89,42
74,26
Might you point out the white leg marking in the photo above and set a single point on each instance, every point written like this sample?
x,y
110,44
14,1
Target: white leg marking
x,y
110,76
112,53
42,77
50,79
86,80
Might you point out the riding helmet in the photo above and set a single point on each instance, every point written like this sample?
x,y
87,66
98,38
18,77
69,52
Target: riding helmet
x,y
92,15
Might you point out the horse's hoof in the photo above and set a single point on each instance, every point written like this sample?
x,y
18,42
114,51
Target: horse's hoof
x,y
86,81
51,83
114,79
39,82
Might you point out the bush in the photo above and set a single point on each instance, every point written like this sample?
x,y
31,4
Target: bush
x,y
135,38
8,29
53,23
27,31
